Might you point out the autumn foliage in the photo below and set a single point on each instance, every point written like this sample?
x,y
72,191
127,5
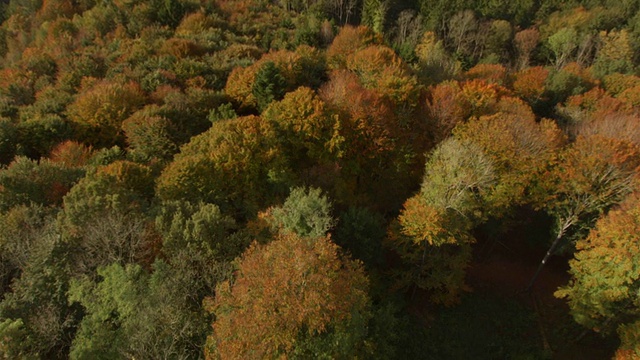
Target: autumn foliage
x,y
286,294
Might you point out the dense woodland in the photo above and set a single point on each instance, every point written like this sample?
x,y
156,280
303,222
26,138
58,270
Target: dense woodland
x,y
248,179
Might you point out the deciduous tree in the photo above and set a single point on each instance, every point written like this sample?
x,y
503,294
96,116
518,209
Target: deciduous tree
x,y
432,235
602,293
591,175
293,297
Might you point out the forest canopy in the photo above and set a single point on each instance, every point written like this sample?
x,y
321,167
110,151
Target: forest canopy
x,y
248,179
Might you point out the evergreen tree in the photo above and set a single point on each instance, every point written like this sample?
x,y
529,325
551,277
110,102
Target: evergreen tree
x,y
269,85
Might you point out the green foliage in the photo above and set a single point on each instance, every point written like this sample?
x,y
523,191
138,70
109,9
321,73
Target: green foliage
x,y
432,235
563,43
12,334
562,84
21,231
269,85
149,136
126,121
38,135
306,213
25,181
38,299
615,55
202,227
120,187
457,175
222,112
132,313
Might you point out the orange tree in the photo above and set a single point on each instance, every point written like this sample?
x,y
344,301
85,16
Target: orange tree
x,y
294,297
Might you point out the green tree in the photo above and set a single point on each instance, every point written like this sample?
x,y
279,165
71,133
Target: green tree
x,y
149,136
374,13
38,297
269,85
563,44
120,187
306,213
21,230
201,227
131,313
615,54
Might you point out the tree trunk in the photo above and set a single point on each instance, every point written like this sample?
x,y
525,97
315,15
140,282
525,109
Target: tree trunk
x,y
563,229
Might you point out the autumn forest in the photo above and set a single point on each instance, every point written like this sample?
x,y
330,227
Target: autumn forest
x,y
319,179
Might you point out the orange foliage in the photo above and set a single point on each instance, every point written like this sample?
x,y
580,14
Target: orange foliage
x,y
617,83
519,147
372,142
490,73
481,97
526,41
626,354
53,9
593,104
129,175
194,24
584,74
597,167
305,122
181,48
349,40
529,83
516,107
423,222
102,106
631,98
292,65
71,154
368,121
446,108
380,69
287,291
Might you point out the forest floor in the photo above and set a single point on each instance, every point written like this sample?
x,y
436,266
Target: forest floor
x,y
497,318
505,270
